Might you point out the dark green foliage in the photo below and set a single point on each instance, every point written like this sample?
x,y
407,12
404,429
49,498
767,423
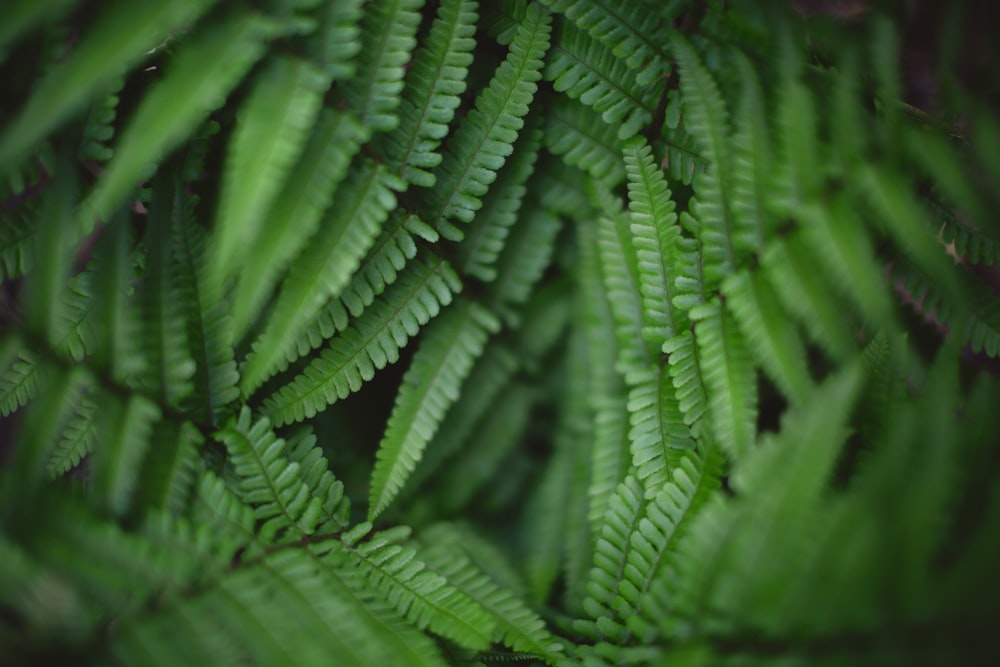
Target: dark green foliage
x,y
565,332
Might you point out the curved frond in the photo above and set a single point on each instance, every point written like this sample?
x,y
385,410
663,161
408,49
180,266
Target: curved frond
x,y
423,596
587,70
324,267
434,83
77,440
388,35
485,138
634,33
658,434
18,382
685,374
196,82
582,139
271,132
371,342
121,37
654,234
431,385
730,379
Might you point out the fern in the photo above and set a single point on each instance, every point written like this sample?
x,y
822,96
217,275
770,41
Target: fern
x,y
700,307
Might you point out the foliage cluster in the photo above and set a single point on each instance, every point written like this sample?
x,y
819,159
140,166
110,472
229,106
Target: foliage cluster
x,y
573,332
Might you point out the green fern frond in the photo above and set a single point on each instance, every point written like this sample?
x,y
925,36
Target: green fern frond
x,y
730,379
100,127
77,440
486,235
517,626
196,82
230,520
312,184
16,231
657,433
209,327
314,471
582,139
434,83
775,342
271,132
171,468
324,267
486,136
423,596
371,342
751,164
18,383
388,35
683,356
337,38
654,234
524,259
118,39
449,347
124,432
269,481
634,33
586,70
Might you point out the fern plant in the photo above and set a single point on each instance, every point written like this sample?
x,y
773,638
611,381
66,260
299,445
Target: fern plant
x,y
566,332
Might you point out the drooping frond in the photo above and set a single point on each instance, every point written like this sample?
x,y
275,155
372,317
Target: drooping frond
x,y
387,37
634,33
423,596
371,342
524,259
77,439
431,385
729,376
18,381
434,83
655,231
586,70
117,40
658,435
486,136
297,210
270,134
324,267
196,82
581,139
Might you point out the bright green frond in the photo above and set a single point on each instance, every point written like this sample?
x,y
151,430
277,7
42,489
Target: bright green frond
x,y
388,32
654,234
658,435
434,84
271,133
432,384
586,70
583,140
730,379
486,136
324,267
372,341
423,596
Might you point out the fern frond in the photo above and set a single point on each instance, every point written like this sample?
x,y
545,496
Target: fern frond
x,y
197,82
125,430
314,471
388,35
582,139
271,131
525,257
517,626
682,159
118,39
324,267
486,136
336,40
16,231
705,117
619,266
730,379
371,342
100,129
432,384
78,437
270,481
171,366
209,326
751,163
423,596
171,469
685,374
587,70
297,209
633,33
487,233
433,87
775,342
658,435
18,382
654,234
230,520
